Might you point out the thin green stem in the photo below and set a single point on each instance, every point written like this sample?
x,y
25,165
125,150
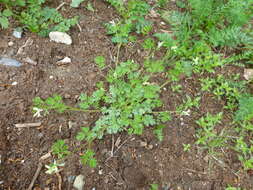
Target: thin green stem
x,y
79,109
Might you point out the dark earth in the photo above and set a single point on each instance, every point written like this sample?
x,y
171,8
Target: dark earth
x,y
138,161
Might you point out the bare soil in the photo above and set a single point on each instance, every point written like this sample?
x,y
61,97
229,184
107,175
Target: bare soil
x,y
139,160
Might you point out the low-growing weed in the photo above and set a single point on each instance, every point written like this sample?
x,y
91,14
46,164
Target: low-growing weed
x,y
100,61
133,20
60,149
208,136
186,147
219,23
223,88
129,104
154,187
4,15
35,17
188,104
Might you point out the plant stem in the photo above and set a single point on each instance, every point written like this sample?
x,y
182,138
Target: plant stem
x,y
78,109
164,84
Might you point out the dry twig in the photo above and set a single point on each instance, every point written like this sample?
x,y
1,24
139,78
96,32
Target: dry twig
x,y
35,176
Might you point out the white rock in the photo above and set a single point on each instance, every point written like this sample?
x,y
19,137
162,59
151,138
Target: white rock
x,y
248,74
10,43
64,61
60,37
17,33
14,83
79,182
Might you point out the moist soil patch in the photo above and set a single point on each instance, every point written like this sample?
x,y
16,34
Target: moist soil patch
x,y
138,161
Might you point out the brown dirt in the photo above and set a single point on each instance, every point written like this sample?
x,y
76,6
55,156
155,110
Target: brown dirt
x,y
139,162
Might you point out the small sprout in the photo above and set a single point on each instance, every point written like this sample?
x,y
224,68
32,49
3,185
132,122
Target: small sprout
x,y
89,7
100,61
187,147
154,187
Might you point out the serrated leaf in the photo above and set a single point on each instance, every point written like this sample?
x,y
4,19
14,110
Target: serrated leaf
x,y
4,22
7,13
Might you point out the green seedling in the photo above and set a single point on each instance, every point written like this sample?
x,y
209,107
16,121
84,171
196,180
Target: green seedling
x,y
154,187
186,147
207,135
188,104
4,15
60,149
100,61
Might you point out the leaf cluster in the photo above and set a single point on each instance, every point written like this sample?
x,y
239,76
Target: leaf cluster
x,y
219,23
133,20
36,17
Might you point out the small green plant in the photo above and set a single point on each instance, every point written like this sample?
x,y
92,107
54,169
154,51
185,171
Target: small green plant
x,y
176,88
223,88
60,149
186,147
189,103
154,187
130,104
100,61
88,158
90,7
4,15
133,19
76,3
219,23
35,17
233,188
245,111
208,137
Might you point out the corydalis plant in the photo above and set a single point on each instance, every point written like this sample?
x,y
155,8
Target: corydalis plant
x,y
128,104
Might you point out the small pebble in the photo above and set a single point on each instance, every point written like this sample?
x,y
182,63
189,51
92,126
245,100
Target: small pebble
x,y
30,61
9,62
100,172
17,33
79,182
248,74
10,43
64,61
60,37
14,83
51,77
143,144
1,182
94,188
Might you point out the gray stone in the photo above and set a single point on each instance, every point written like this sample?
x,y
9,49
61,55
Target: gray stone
x,y
9,62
